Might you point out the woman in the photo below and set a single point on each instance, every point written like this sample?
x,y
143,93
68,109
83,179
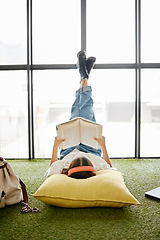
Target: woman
x,y
81,161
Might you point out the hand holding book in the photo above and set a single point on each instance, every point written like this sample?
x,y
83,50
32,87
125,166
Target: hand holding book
x,y
58,141
101,141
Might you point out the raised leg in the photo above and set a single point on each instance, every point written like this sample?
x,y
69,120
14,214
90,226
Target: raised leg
x,y
83,105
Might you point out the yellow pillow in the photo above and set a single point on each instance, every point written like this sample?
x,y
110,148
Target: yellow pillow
x,y
106,189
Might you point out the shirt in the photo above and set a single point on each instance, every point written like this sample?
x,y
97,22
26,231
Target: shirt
x,y
56,167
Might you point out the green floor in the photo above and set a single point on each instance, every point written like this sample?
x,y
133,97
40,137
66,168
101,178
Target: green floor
x,y
134,222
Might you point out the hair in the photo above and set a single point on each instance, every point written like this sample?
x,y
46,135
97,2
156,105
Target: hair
x,y
82,161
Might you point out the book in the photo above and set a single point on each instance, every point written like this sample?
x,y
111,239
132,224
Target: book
x,y
155,193
79,130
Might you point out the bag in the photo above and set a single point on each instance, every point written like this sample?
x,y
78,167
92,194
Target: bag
x,y
10,192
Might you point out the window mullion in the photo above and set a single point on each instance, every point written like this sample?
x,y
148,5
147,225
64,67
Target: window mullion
x,y
83,24
138,77
29,79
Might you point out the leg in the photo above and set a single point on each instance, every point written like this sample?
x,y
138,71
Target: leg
x,y
83,105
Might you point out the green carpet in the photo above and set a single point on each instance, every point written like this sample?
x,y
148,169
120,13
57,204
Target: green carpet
x,y
134,222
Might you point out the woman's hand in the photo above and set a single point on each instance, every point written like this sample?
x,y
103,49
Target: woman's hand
x,y
57,142
101,141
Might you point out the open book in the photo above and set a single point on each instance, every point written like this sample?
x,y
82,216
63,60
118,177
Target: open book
x,y
79,130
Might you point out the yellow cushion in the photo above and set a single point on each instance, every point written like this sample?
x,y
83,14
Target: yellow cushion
x,y
106,189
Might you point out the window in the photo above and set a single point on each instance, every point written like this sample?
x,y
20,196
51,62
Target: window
x,y
39,42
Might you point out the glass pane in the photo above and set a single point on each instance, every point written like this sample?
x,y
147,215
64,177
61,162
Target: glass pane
x,y
150,124
53,96
13,37
111,30
13,114
114,97
56,31
113,93
150,31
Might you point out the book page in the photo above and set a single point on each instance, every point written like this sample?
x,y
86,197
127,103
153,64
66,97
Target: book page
x,y
87,133
69,131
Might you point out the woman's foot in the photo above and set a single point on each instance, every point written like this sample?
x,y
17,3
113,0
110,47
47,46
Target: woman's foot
x,y
82,65
90,62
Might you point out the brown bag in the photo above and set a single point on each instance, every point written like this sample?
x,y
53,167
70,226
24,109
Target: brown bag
x,y
10,192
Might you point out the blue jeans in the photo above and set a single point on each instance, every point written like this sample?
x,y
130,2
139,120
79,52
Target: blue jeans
x,y
82,107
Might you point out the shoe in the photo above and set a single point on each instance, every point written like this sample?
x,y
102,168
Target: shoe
x,y
90,62
82,64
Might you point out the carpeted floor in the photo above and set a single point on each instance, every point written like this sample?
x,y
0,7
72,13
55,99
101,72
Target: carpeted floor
x,y
134,222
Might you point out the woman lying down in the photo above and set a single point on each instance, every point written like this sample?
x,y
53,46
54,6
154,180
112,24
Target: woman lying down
x,y
79,164
81,161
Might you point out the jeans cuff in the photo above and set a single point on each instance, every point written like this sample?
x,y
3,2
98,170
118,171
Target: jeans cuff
x,y
83,89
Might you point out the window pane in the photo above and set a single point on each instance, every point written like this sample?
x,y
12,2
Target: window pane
x,y
111,30
13,37
150,124
53,96
56,31
113,93
13,114
114,97
150,31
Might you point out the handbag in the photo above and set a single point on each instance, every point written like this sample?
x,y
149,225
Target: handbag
x,y
10,192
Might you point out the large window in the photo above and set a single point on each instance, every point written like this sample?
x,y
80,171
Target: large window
x,y
39,41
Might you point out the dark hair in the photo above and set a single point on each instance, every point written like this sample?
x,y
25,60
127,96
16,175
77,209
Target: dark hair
x,y
83,161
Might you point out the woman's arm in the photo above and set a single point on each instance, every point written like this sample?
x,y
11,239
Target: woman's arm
x,y
57,142
101,142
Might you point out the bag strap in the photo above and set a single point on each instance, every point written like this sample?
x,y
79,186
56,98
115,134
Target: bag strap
x,y
25,207
24,191
4,163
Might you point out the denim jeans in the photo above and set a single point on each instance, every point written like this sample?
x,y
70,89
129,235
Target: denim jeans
x,y
82,107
